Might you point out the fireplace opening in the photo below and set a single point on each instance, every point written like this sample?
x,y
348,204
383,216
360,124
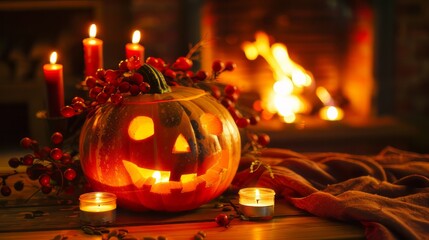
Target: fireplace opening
x,y
331,41
343,48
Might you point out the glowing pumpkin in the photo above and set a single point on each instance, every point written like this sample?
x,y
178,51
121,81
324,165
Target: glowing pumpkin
x,y
172,150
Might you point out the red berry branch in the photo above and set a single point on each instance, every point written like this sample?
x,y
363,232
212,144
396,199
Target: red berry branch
x,y
53,168
112,85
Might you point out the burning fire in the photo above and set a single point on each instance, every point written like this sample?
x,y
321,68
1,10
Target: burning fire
x,y
285,96
329,112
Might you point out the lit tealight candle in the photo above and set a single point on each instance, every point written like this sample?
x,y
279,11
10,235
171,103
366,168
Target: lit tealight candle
x,y
92,52
257,203
134,48
97,208
55,86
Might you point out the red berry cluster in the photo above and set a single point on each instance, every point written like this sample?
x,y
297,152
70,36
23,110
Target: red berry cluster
x,y
259,140
112,85
229,101
50,165
109,85
179,73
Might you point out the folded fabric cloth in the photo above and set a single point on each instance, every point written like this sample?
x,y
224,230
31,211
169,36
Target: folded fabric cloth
x,y
387,193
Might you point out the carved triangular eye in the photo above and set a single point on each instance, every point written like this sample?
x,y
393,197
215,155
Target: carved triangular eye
x,y
141,127
181,145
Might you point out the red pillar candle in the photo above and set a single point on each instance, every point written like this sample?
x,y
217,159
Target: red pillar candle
x,y
55,86
92,52
134,48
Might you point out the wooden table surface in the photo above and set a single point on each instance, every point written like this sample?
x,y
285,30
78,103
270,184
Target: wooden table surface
x,y
304,227
280,227
61,218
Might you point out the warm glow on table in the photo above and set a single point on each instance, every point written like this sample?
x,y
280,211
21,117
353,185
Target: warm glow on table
x,y
93,52
54,85
134,48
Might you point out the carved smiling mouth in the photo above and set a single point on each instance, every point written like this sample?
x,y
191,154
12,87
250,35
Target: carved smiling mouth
x,y
159,181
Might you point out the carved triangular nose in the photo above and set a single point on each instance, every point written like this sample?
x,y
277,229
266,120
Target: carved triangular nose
x,y
181,145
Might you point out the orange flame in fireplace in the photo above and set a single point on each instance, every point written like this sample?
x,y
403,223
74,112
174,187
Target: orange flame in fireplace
x,y
291,79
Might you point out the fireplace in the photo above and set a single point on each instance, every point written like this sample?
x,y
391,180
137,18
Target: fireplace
x,y
332,40
345,47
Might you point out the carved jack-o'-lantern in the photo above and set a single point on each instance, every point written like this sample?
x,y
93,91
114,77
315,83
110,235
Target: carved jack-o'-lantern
x,y
168,151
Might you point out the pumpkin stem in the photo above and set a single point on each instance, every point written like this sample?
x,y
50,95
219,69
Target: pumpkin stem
x,y
155,79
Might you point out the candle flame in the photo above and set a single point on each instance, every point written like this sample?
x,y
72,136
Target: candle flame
x,y
93,31
53,58
136,36
98,197
257,195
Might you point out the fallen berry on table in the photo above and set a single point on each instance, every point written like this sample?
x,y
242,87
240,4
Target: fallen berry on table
x,y
222,220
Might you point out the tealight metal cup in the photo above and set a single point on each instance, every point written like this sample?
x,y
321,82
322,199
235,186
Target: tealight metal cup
x,y
257,203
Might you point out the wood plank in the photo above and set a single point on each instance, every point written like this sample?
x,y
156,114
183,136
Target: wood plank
x,y
55,217
301,227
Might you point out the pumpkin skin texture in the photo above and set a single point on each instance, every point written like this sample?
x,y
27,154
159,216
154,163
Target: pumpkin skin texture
x,y
170,151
